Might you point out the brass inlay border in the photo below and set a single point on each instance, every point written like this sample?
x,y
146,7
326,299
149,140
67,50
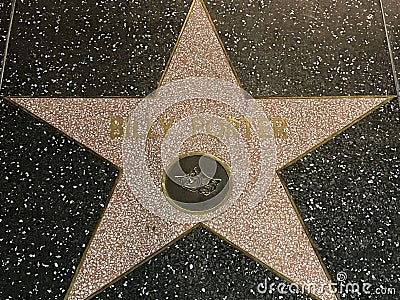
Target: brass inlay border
x,y
314,246
9,97
176,44
216,34
324,97
187,232
389,98
221,43
116,182
172,201
83,258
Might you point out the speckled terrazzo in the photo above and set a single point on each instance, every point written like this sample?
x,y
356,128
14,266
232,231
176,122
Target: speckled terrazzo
x,y
347,193
74,52
305,47
392,10
278,48
52,194
91,48
129,233
198,266
263,231
5,8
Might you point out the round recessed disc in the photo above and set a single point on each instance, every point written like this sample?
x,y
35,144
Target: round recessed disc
x,y
196,182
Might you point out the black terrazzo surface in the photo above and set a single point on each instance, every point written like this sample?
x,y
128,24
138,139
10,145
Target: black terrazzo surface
x,y
392,9
286,48
306,47
5,8
52,193
198,266
90,47
348,194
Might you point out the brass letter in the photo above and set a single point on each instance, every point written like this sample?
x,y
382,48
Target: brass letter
x,y
150,133
166,126
215,120
135,130
230,129
116,127
197,124
247,121
263,129
279,127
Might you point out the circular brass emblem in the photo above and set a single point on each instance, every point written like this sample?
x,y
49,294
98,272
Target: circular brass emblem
x,y
197,182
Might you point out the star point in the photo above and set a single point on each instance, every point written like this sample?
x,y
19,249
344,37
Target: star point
x,y
271,231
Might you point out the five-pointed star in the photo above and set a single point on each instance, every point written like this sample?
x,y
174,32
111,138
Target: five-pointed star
x,y
272,232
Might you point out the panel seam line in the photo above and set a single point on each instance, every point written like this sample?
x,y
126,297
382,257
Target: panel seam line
x,y
7,42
